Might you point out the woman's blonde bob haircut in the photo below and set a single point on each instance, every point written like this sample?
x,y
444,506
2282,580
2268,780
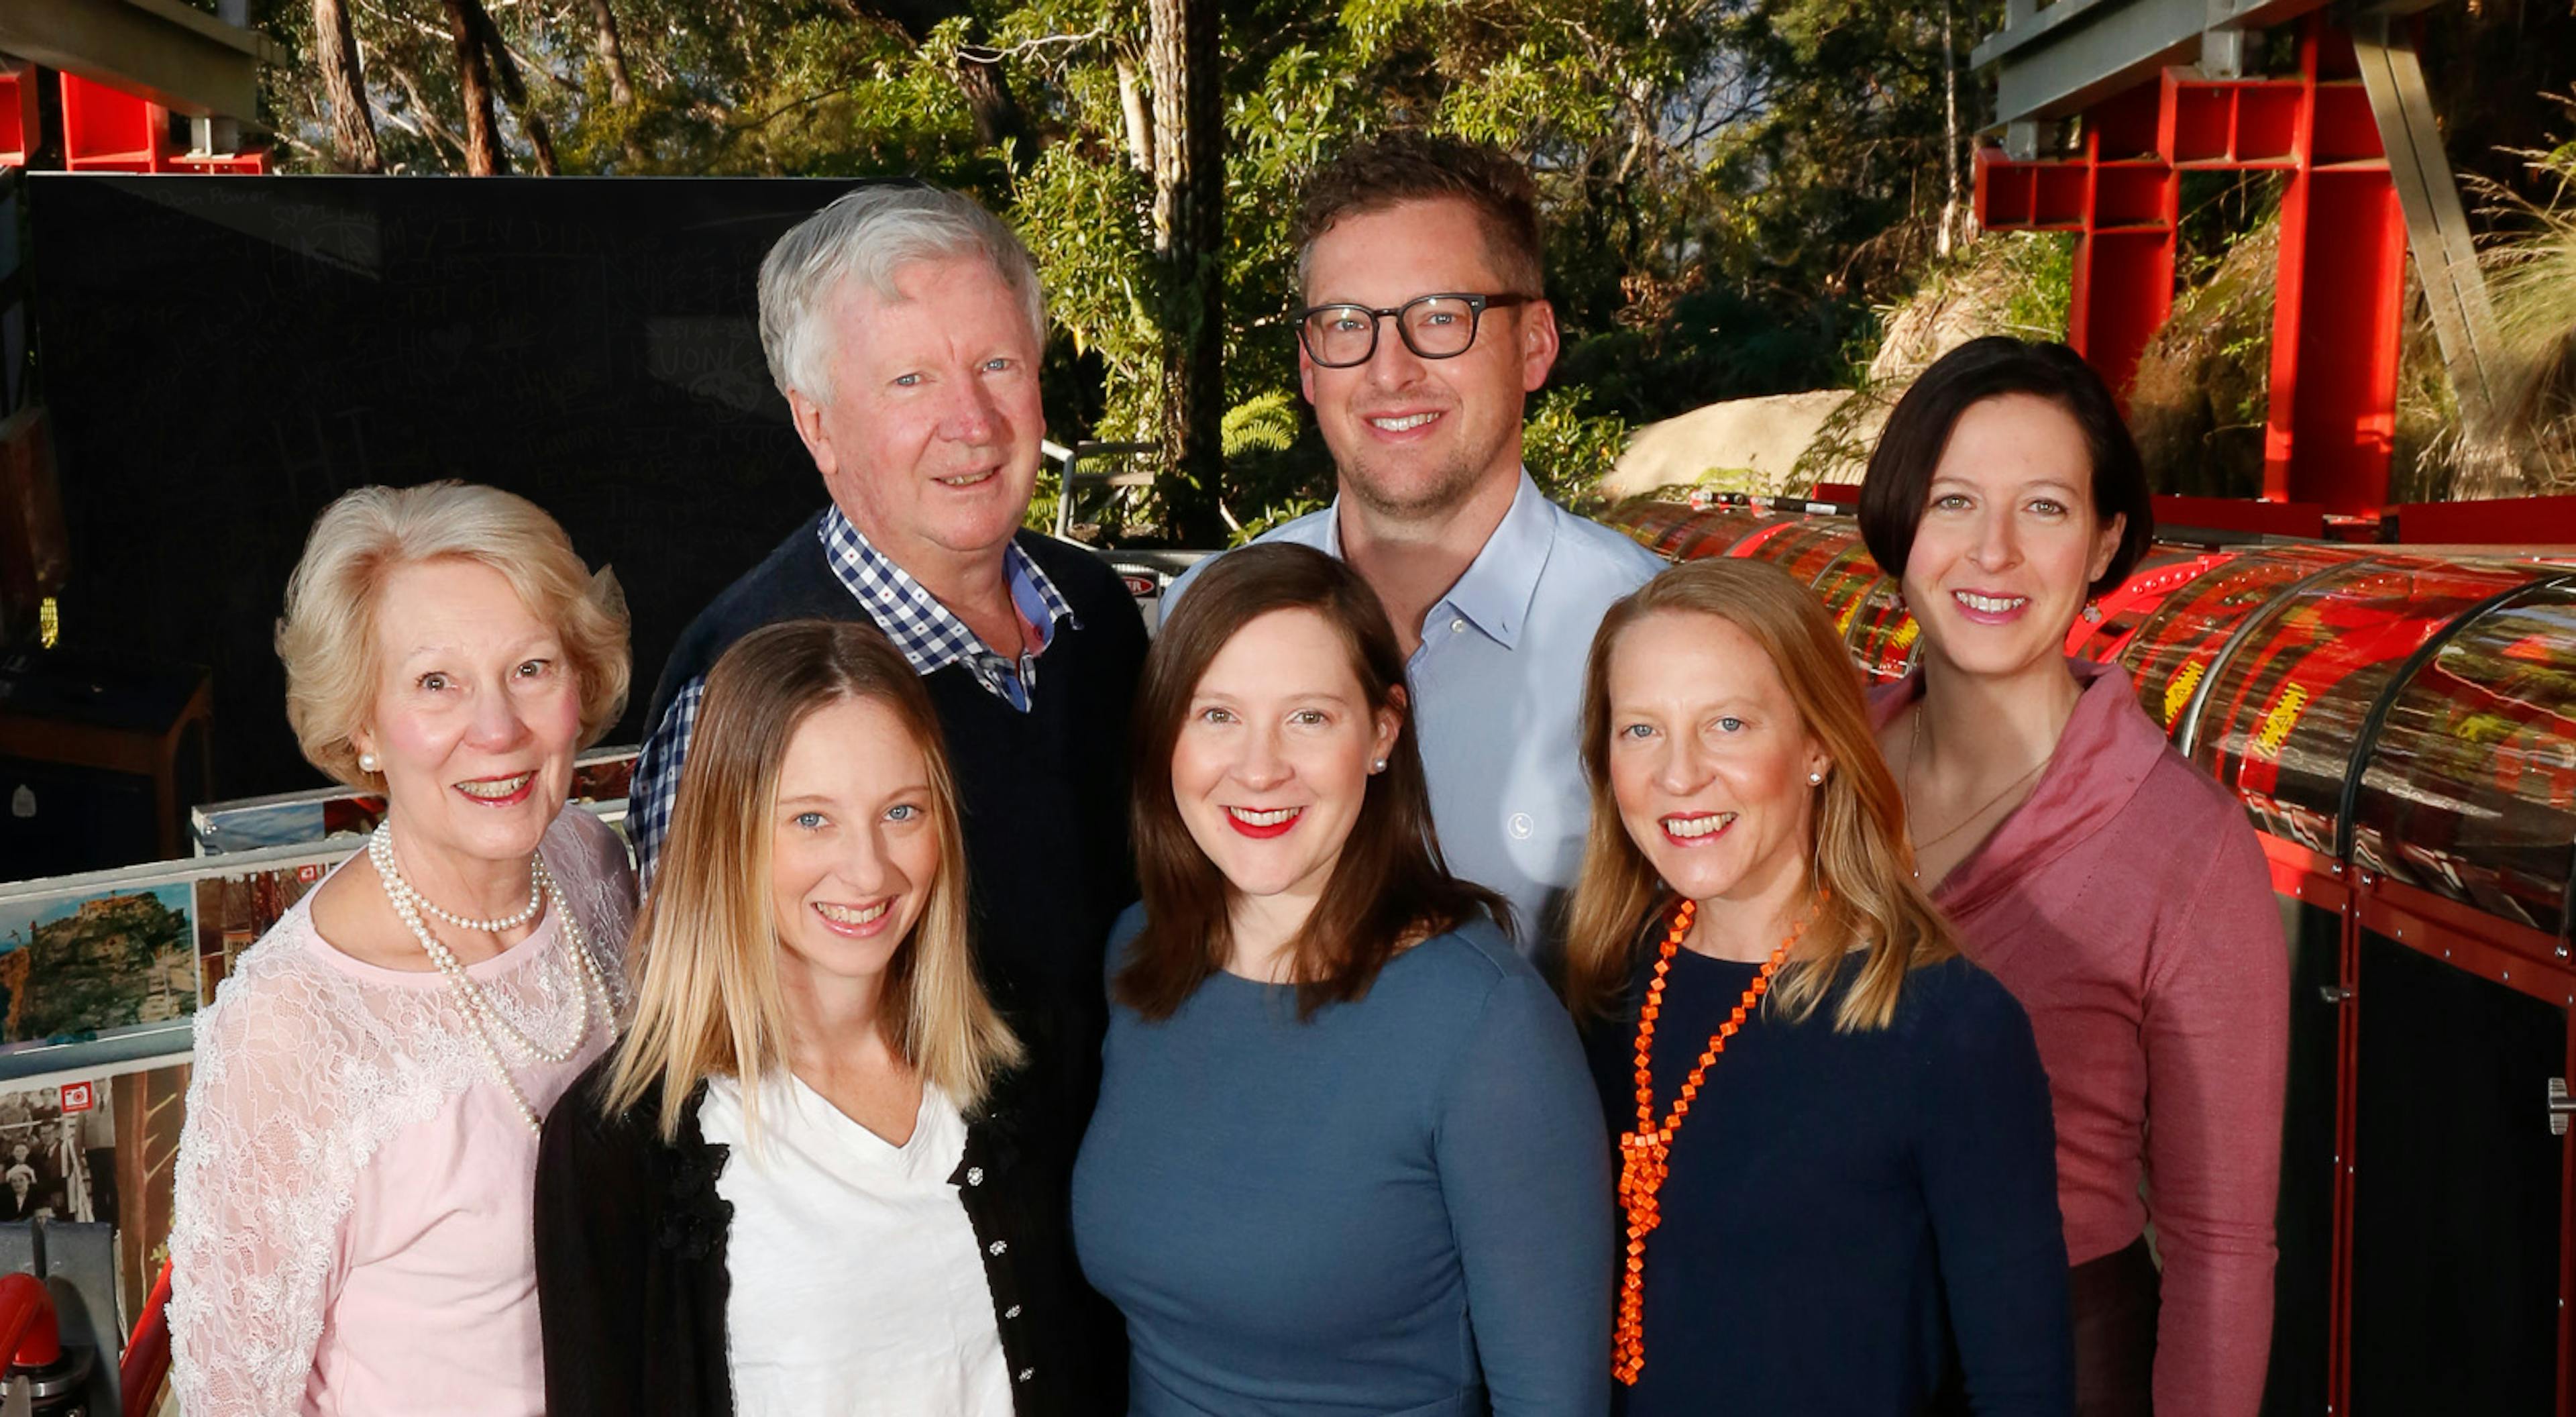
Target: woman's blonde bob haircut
x,y
1862,862
710,1001
328,634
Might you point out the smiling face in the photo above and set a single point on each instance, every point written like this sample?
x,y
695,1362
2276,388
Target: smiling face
x,y
854,849
1709,759
2010,540
930,441
1273,762
1414,436
476,716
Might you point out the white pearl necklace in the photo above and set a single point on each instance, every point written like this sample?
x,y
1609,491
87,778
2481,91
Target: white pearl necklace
x,y
493,926
479,1012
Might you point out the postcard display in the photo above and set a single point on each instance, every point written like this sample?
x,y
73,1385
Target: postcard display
x,y
101,976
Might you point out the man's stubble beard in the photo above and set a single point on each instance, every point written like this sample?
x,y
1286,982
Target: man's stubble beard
x,y
1451,485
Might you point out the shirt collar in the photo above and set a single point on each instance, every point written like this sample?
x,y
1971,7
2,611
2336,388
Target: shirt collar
x,y
1498,586
927,631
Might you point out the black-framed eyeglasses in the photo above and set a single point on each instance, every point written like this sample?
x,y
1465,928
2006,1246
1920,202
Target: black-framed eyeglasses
x,y
1439,326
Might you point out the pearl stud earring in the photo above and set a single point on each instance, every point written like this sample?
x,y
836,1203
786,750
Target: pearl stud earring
x,y
1378,766
1815,779
366,762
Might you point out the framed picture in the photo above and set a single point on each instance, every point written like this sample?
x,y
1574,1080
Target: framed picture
x,y
600,781
58,1153
104,965
235,908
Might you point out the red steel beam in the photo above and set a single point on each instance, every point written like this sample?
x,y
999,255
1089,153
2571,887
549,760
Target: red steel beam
x,y
2333,416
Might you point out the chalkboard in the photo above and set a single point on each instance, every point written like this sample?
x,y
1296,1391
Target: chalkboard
x,y
224,355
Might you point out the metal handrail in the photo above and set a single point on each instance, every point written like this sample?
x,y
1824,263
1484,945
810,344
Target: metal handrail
x,y
1067,479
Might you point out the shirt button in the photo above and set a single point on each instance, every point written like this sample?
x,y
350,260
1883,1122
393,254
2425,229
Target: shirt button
x,y
999,1246
1457,626
1012,1312
974,1175
1520,826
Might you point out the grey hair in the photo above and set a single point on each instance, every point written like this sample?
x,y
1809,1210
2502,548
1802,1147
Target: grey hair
x,y
871,233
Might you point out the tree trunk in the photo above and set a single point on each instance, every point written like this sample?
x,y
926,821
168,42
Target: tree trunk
x,y
483,154
505,71
353,128
1949,134
612,53
1182,61
1140,124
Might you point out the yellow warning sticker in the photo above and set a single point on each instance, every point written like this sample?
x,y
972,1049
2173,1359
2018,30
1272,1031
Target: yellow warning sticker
x,y
2277,723
2178,693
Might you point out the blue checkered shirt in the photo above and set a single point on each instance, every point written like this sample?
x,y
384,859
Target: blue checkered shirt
x,y
929,634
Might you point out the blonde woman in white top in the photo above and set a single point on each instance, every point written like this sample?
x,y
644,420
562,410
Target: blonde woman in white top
x,y
808,1182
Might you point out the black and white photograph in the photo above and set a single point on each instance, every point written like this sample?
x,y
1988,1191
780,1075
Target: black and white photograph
x,y
58,1153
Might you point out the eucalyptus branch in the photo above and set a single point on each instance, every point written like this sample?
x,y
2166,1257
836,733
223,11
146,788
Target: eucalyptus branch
x,y
987,54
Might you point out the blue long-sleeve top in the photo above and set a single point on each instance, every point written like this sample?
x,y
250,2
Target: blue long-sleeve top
x,y
1843,1208
1398,1205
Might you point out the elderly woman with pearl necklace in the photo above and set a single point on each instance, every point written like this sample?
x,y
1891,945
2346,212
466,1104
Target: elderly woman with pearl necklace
x,y
355,1184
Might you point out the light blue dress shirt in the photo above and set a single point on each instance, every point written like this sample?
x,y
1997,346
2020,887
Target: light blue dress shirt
x,y
1497,690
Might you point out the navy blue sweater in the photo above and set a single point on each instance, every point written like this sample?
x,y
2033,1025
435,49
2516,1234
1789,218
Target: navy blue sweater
x,y
1843,1208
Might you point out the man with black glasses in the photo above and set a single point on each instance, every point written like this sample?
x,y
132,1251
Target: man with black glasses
x,y
1425,330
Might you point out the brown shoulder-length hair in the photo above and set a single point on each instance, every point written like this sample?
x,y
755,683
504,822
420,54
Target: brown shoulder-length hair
x,y
1390,885
1864,869
709,1002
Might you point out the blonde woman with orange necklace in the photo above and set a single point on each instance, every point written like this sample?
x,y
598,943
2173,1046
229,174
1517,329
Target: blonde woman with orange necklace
x,y
1836,1162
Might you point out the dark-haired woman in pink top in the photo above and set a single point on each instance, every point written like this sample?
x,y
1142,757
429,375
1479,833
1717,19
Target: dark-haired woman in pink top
x,y
2114,889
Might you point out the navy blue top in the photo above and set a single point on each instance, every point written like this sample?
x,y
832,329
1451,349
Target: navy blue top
x,y
1842,1205
1400,1205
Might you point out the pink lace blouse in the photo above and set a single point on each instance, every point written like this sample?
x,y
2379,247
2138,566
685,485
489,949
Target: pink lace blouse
x,y
353,1223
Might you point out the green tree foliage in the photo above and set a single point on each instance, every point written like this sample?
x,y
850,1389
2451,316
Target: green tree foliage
x,y
1730,184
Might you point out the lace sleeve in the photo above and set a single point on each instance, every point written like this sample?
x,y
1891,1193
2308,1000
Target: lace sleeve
x,y
598,879
262,1186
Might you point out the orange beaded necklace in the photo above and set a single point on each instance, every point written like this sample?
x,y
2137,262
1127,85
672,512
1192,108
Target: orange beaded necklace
x,y
1643,1152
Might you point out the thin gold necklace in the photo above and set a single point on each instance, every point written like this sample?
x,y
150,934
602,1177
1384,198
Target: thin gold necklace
x,y
1914,756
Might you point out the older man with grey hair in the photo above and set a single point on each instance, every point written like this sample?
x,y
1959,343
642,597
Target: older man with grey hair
x,y
905,324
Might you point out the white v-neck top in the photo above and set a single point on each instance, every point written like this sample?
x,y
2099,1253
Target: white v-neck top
x,y
855,1286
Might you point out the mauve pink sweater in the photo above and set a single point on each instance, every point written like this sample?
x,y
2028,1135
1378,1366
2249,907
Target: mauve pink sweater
x,y
2126,904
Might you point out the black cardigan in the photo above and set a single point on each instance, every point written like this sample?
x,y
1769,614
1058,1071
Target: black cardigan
x,y
632,1284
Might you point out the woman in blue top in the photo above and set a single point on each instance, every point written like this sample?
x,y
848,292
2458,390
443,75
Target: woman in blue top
x,y
1837,1164
1346,1158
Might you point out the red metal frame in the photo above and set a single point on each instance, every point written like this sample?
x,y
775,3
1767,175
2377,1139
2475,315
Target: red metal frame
x,y
2333,418
106,129
2335,325
2121,198
2508,521
2316,879
20,131
2303,519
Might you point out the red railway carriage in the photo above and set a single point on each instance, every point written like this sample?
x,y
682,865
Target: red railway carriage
x,y
2401,726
